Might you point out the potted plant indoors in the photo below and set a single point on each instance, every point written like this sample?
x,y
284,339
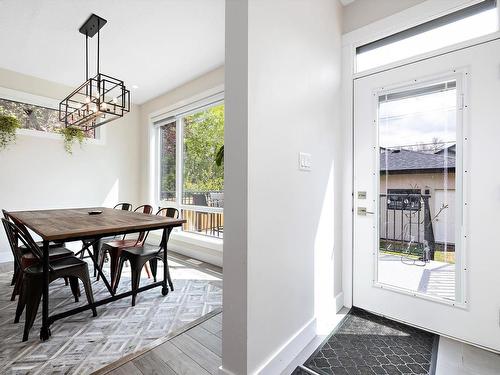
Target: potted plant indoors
x,y
70,135
8,126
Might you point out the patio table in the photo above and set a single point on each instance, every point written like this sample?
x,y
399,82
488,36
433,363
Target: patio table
x,y
66,225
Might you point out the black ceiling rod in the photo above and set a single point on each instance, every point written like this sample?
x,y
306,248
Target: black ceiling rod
x,y
86,56
98,43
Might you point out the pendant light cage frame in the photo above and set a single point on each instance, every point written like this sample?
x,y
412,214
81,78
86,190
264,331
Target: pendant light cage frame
x,y
99,99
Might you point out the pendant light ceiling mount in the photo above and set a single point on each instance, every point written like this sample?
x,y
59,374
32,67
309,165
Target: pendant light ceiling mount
x,y
99,99
92,26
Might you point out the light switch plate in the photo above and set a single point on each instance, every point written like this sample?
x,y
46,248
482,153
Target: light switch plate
x,y
305,161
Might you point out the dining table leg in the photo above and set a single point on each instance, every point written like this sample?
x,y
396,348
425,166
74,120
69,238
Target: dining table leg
x,y
45,330
166,270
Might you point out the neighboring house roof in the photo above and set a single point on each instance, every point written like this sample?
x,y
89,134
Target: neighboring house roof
x,y
450,150
406,161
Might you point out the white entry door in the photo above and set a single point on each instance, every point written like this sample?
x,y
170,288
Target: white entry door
x,y
427,194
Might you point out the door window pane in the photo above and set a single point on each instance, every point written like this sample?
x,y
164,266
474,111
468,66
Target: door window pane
x,y
417,205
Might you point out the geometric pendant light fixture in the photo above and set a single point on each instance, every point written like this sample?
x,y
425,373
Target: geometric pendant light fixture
x,y
99,99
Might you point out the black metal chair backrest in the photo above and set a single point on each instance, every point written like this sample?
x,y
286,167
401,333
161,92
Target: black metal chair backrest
x,y
20,225
11,218
15,233
168,212
146,209
123,206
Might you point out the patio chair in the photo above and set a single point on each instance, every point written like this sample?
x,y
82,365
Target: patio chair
x,y
32,274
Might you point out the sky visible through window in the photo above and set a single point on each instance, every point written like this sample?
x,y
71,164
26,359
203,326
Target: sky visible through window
x,y
418,121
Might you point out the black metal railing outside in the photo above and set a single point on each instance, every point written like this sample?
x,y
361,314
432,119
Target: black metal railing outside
x,y
209,221
405,224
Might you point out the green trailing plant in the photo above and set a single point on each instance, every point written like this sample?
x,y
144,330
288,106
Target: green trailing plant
x,y
219,156
70,135
8,126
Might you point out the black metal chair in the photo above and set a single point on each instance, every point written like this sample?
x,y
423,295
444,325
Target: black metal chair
x,y
96,247
114,247
31,292
167,212
56,251
138,256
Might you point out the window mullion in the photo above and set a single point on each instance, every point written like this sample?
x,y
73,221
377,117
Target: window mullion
x,y
179,163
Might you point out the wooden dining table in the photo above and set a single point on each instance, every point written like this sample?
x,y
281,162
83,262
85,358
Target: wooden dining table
x,y
67,225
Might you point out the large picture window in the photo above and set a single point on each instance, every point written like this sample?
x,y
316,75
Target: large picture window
x,y
190,178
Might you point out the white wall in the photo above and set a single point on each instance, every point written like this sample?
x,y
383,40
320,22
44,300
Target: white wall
x,y
363,12
37,173
291,104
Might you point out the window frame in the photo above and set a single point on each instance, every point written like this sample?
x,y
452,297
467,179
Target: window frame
x,y
177,115
51,103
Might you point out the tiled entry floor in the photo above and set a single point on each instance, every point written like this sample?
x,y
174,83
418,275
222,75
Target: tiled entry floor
x,y
369,344
81,344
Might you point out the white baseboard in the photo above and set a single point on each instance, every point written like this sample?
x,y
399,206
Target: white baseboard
x,y
223,371
282,358
339,301
193,246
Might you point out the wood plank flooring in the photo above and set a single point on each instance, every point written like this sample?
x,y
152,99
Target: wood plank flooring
x,y
195,351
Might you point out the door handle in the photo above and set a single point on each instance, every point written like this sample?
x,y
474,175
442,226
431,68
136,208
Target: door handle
x,y
363,212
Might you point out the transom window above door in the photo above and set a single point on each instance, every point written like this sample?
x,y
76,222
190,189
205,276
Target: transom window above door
x,y
477,20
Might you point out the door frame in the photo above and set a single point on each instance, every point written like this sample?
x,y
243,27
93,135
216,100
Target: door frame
x,y
393,24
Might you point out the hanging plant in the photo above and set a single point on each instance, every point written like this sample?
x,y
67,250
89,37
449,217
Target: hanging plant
x,y
8,126
72,134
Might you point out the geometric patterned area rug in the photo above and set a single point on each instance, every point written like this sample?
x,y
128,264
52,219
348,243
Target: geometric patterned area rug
x,y
365,343
81,344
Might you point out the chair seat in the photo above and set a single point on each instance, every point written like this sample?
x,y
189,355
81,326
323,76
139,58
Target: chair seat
x,y
145,250
29,259
40,245
121,244
57,265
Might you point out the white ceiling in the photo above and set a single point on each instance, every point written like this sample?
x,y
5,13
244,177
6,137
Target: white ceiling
x,y
347,2
156,45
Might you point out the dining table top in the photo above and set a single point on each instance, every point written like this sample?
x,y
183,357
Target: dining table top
x,y
65,224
